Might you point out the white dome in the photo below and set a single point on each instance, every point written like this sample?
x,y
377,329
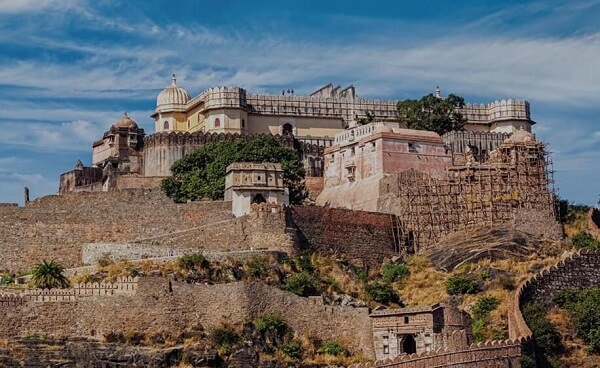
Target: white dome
x,y
173,95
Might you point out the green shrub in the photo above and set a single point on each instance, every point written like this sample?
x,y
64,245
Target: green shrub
x,y
292,350
303,284
274,323
7,279
546,336
484,305
394,272
526,362
584,240
257,267
331,348
381,292
192,262
462,284
479,330
583,307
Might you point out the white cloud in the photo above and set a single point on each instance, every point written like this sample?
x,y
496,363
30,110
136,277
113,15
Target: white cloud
x,y
26,6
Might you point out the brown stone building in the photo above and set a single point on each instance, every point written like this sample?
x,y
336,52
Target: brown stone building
x,y
419,330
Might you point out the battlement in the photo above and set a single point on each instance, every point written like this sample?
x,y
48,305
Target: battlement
x,y
122,286
497,111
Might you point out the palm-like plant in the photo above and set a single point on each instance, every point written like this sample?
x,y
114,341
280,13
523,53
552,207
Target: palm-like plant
x,y
49,275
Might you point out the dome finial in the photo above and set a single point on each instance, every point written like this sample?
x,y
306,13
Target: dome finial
x,y
173,80
125,114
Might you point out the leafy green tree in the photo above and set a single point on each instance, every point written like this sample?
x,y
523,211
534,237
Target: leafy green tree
x,y
381,292
49,275
202,174
585,240
394,272
432,113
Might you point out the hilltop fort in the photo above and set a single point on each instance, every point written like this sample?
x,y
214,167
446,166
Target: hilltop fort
x,y
379,192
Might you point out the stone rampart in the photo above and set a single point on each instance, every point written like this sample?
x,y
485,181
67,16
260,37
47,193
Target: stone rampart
x,y
57,226
578,270
163,306
366,236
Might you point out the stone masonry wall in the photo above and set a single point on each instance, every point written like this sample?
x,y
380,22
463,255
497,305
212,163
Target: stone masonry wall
x,y
154,309
366,236
55,227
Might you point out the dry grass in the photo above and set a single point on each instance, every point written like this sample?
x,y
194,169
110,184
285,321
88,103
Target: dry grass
x,y
576,354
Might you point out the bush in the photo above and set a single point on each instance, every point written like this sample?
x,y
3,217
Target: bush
x,y
257,267
594,340
381,292
331,348
274,323
526,362
394,272
546,336
292,350
484,305
192,262
302,284
583,307
6,279
584,240
462,284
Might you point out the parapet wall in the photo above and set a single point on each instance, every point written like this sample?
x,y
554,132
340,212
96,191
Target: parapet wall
x,y
122,286
497,110
578,270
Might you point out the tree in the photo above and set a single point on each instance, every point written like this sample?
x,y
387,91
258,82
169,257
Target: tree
x,y
49,275
433,113
202,173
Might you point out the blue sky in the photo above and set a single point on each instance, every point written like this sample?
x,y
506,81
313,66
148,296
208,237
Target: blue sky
x,y
68,69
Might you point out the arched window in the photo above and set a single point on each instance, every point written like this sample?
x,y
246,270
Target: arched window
x,y
166,125
243,123
217,122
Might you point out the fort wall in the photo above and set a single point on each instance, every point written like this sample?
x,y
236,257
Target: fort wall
x,y
162,306
365,236
57,226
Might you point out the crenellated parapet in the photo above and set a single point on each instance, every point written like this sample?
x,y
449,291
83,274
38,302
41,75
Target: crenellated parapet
x,y
496,111
122,286
503,353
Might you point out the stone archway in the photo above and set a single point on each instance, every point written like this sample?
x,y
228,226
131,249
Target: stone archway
x,y
409,345
258,198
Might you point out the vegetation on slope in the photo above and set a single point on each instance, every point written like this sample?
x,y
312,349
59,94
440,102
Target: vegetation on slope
x,y
201,174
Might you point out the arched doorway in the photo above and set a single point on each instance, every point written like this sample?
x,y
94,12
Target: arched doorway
x,y
287,130
409,345
258,198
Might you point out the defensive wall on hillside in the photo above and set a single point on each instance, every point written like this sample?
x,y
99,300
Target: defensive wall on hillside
x,y
158,305
356,235
576,270
57,226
